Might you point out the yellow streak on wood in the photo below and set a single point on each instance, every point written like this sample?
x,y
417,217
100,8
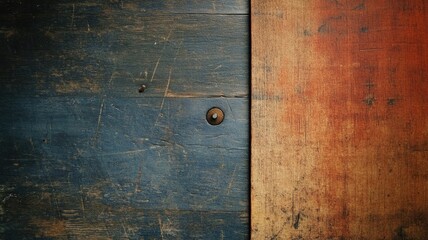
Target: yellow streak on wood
x,y
73,86
49,228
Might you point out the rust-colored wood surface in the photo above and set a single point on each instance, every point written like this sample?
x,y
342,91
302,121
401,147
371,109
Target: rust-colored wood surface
x,y
339,123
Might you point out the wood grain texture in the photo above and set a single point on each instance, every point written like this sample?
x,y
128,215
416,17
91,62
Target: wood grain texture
x,y
339,125
92,50
85,155
231,7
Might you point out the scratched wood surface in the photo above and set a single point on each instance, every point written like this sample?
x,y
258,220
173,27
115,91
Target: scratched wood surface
x,y
85,155
339,124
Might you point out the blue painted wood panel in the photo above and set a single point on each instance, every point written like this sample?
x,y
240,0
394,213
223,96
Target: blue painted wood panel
x,y
47,54
85,155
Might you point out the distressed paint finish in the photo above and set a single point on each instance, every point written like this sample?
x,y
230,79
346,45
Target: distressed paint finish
x,y
85,155
90,52
339,124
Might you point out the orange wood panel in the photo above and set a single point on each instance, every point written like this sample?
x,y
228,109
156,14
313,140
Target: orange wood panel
x,y
339,119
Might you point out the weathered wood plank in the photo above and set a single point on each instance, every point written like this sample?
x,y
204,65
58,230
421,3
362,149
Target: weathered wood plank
x,y
61,157
339,124
106,222
146,7
84,155
115,52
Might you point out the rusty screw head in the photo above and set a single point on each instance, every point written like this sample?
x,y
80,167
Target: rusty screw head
x,y
215,116
142,88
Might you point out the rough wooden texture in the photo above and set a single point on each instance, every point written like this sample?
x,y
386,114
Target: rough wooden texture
x,y
339,124
85,155
57,51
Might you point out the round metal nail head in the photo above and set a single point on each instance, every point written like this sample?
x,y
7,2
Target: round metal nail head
x,y
215,116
